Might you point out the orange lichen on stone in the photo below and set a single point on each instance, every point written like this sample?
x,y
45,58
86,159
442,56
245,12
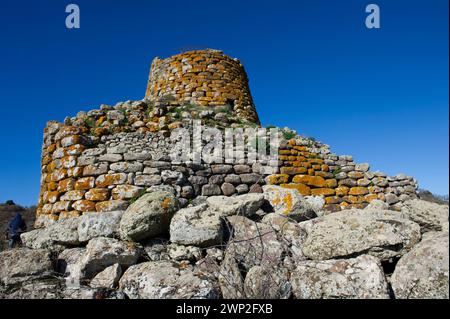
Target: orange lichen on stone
x,y
342,191
370,197
293,170
309,180
85,183
322,191
97,194
66,185
110,179
84,206
302,188
277,179
358,191
333,200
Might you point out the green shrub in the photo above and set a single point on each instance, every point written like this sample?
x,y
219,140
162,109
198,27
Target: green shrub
x,y
288,135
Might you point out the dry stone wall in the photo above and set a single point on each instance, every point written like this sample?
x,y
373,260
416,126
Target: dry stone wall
x,y
82,172
102,160
310,167
206,78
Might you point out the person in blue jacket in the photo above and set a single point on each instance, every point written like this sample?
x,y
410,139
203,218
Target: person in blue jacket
x,y
16,227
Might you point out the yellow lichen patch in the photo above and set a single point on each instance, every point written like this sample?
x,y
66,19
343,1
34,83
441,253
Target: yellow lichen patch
x,y
316,181
51,148
370,197
302,188
58,175
166,203
325,168
50,197
293,170
110,179
342,191
353,199
53,165
97,194
174,125
333,200
316,160
284,152
358,191
344,205
287,200
322,191
84,206
65,185
331,183
76,149
75,172
52,186
85,183
277,179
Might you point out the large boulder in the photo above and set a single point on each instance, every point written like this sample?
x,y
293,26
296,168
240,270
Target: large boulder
x,y
267,283
165,280
149,216
231,281
383,234
355,278
102,252
62,233
104,224
23,264
108,278
67,260
424,271
197,226
254,243
290,203
243,205
430,216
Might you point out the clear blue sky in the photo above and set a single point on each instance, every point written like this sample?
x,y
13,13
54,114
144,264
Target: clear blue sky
x,y
379,95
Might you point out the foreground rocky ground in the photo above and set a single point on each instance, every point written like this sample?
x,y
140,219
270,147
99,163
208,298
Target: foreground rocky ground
x,y
275,244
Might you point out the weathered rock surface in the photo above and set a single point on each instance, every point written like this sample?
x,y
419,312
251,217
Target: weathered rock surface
x,y
267,283
355,278
63,232
103,252
430,216
108,278
383,234
243,205
149,216
253,243
68,259
22,264
231,281
424,271
104,224
164,280
197,225
289,202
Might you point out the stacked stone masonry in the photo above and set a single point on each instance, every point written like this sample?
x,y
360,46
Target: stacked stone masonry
x,y
312,169
206,77
84,173
104,159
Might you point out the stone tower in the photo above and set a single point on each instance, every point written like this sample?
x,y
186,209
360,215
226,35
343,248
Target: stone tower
x,y
204,77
